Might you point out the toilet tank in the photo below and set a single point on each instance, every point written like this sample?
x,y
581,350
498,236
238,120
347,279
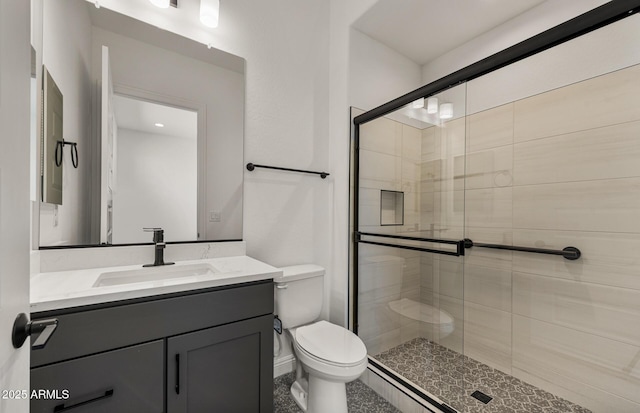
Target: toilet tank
x,y
299,294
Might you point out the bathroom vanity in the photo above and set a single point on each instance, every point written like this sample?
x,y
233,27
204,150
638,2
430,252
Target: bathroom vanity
x,y
197,343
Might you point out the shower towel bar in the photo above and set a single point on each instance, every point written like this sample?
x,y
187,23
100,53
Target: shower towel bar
x,y
252,166
458,252
570,253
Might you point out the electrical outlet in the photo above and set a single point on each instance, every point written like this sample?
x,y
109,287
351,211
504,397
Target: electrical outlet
x,y
277,324
214,216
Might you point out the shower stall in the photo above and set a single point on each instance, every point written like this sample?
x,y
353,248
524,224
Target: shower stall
x,y
496,224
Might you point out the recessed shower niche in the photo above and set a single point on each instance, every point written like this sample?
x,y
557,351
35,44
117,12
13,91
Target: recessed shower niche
x,y
391,208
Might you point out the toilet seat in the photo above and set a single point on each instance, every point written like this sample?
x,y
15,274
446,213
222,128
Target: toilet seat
x,y
331,344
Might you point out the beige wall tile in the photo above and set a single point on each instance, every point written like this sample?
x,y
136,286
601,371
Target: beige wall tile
x,y
607,258
592,398
369,211
455,308
449,209
430,145
490,129
605,100
487,336
380,167
552,352
382,135
452,138
604,205
597,309
411,143
489,287
489,169
486,257
451,277
488,208
430,175
602,153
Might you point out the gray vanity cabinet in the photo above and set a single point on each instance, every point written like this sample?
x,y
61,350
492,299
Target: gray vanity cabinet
x,y
221,368
125,380
199,351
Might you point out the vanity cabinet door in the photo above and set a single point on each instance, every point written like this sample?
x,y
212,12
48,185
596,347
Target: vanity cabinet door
x,y
222,369
129,380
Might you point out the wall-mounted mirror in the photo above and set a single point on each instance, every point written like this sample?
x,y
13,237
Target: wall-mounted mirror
x,y
158,122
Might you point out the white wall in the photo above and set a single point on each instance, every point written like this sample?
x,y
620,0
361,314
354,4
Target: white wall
x,y
287,217
377,73
67,55
528,24
607,49
155,186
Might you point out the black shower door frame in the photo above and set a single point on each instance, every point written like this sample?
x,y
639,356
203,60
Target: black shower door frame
x,y
601,16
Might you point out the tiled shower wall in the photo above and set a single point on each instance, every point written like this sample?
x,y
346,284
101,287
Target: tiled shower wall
x,y
557,169
553,170
390,160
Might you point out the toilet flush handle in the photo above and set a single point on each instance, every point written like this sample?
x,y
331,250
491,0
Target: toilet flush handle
x,y
282,286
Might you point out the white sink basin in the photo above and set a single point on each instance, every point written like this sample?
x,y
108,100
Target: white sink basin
x,y
150,274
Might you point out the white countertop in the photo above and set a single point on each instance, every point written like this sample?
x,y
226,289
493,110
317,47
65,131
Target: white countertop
x,y
64,289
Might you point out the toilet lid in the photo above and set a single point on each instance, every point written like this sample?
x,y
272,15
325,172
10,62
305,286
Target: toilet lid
x,y
331,342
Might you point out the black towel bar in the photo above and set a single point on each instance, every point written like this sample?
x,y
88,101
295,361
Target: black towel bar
x,y
252,166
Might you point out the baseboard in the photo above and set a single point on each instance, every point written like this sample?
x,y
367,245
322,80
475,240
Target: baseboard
x,y
284,365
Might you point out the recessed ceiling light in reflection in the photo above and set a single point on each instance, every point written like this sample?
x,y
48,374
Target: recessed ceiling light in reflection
x,y
446,111
160,125
432,105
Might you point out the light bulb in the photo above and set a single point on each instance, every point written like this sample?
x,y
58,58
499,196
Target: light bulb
x,y
432,105
210,12
417,104
446,111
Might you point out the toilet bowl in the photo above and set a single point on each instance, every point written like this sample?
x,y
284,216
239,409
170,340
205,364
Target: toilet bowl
x,y
331,356
328,355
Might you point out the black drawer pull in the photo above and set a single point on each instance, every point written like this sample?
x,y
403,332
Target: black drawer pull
x,y
177,373
63,408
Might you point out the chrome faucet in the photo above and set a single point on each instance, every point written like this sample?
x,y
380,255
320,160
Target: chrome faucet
x,y
158,240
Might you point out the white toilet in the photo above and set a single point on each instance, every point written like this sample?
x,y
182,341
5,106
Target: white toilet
x,y
330,355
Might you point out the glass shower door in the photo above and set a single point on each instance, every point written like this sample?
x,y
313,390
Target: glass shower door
x,y
410,225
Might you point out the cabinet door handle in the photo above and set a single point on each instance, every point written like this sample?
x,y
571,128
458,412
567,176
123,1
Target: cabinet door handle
x,y
177,373
23,328
63,408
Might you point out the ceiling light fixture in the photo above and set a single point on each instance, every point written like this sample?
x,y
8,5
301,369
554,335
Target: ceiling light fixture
x,y
160,125
417,104
432,106
446,111
163,4
210,12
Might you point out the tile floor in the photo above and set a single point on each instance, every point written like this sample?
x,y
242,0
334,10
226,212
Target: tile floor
x,y
360,398
452,377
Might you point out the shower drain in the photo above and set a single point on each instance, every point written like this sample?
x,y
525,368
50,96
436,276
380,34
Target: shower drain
x,y
484,398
